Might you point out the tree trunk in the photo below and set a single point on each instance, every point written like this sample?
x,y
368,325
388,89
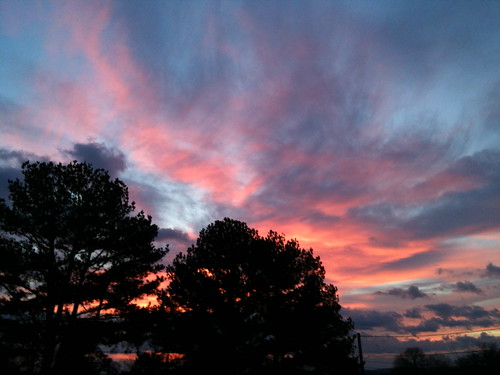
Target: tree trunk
x,y
50,345
51,335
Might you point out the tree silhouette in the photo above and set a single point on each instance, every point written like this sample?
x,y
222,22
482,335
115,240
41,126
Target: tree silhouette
x,y
411,361
73,251
415,361
252,304
484,361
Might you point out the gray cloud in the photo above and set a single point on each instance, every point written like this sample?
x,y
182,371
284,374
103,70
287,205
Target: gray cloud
x,y
172,234
467,286
414,313
492,270
100,156
6,174
10,167
472,312
446,315
412,292
452,316
16,158
370,319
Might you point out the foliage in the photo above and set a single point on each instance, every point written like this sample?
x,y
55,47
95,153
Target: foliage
x,y
485,361
72,252
413,360
251,304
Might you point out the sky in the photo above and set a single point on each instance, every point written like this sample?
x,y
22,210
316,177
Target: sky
x,y
368,130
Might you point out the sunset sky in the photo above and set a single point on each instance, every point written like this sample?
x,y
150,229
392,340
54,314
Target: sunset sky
x,y
368,130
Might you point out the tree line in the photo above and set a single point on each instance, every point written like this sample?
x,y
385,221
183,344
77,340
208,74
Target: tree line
x,y
76,258
413,361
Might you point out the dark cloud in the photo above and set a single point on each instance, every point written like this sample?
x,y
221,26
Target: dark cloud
x,y
442,309
426,325
100,156
371,319
177,235
467,286
492,270
16,158
10,167
6,174
472,312
451,316
446,316
414,313
412,292
435,324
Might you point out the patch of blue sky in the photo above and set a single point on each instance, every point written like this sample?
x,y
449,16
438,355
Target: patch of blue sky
x,y
18,60
487,243
178,200
424,284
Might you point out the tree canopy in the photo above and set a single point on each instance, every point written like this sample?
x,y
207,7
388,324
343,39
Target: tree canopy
x,y
252,304
482,360
72,251
75,256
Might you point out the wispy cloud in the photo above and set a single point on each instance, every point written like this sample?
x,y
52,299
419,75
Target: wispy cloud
x,y
412,292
